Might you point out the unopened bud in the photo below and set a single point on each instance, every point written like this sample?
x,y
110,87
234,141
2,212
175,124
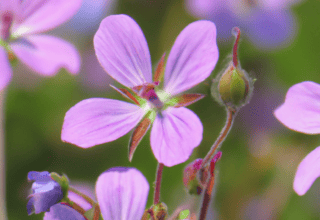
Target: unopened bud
x,y
160,211
190,177
234,84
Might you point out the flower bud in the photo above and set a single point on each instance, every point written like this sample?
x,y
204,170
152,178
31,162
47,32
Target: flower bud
x,y
234,85
190,177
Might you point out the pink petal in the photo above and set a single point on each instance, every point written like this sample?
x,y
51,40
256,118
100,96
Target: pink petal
x,y
174,135
97,121
308,171
9,6
46,54
43,15
6,72
122,50
192,57
301,109
122,193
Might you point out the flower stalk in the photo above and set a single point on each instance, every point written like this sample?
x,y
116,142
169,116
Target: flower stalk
x,y
2,160
156,198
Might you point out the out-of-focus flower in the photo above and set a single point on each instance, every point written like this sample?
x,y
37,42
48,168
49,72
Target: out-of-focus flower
x,y
122,193
45,192
301,112
123,52
268,24
62,211
20,25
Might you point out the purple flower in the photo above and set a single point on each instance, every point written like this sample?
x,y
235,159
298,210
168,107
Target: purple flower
x,y
62,211
268,24
21,23
45,192
301,112
122,50
122,193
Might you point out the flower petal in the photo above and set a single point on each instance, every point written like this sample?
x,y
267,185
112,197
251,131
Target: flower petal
x,y
46,54
6,70
43,15
122,50
97,121
60,211
122,193
301,109
308,171
9,6
192,57
174,135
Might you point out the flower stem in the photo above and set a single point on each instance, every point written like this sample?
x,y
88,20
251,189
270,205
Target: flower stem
x,y
230,118
156,198
3,210
206,198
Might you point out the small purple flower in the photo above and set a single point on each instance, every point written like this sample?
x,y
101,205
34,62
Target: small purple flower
x,y
122,193
21,23
61,211
268,24
122,50
45,192
301,112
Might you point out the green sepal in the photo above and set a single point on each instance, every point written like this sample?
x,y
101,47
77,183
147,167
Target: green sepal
x,y
184,214
63,181
160,211
90,214
237,87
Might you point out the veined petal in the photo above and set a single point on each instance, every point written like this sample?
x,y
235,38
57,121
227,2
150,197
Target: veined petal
x,y
308,171
6,71
192,57
9,6
46,54
174,135
43,15
97,121
122,50
60,211
301,108
122,193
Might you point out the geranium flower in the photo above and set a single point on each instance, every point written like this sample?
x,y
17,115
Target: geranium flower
x,y
122,193
20,25
268,24
301,112
45,192
122,50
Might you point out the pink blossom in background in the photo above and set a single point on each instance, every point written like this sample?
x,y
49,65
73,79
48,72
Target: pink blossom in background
x,y
122,50
122,193
21,23
301,112
267,23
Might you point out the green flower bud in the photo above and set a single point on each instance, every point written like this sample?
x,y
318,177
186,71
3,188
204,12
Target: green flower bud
x,y
233,87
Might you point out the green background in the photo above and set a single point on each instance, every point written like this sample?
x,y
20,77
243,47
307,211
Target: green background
x,y
260,156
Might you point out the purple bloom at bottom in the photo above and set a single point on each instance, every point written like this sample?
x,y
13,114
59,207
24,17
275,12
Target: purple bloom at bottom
x,y
122,193
45,192
268,24
301,112
62,212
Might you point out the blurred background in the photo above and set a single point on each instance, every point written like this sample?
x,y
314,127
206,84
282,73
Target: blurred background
x,y
279,47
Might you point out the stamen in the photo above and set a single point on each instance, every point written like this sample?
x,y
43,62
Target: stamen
x,y
236,33
7,18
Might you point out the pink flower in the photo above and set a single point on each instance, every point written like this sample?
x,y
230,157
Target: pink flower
x,y
122,193
301,112
122,50
21,23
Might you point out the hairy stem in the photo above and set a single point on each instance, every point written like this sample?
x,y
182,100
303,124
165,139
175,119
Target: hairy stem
x,y
156,198
3,210
221,138
85,197
207,194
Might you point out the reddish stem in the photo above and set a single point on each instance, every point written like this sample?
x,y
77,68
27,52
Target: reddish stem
x,y
156,198
236,32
